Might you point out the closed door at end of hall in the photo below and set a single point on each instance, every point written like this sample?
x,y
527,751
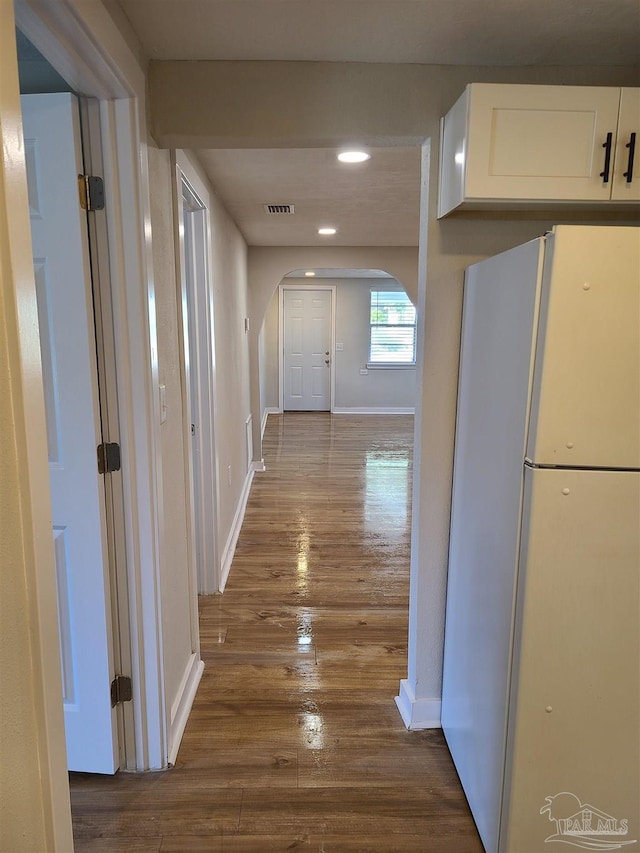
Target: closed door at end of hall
x,y
307,350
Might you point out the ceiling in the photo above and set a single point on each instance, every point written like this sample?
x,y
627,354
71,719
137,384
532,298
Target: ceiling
x,y
371,204
376,203
447,32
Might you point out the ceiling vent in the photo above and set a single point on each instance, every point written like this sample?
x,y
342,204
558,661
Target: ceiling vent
x,y
279,209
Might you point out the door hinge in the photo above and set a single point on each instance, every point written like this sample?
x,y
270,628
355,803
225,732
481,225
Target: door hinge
x,y
108,457
121,690
91,191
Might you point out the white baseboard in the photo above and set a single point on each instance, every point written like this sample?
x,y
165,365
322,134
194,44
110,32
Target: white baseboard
x,y
373,410
181,707
270,410
258,466
230,547
417,713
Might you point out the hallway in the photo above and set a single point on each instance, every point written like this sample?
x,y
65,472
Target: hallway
x,y
294,741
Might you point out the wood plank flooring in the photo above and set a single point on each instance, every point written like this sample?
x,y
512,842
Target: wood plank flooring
x,y
294,742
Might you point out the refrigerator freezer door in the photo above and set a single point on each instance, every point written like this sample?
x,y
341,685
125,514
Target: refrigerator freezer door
x,y
501,295
586,400
573,721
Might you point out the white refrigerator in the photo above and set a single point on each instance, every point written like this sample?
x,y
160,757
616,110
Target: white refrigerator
x,y
541,682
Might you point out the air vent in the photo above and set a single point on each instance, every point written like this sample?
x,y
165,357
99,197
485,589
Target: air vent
x,y
279,209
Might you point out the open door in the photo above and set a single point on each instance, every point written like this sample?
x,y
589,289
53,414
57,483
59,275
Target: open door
x,y
67,335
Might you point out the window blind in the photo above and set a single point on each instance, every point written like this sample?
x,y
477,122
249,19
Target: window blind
x,y
393,328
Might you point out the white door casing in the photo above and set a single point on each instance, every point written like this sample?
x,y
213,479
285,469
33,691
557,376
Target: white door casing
x,y
85,46
198,370
307,349
67,335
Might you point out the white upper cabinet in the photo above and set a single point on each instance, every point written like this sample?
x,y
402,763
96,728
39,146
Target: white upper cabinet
x,y
528,146
626,175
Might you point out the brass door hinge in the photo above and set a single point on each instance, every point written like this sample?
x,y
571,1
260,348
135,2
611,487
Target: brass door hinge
x,y
91,191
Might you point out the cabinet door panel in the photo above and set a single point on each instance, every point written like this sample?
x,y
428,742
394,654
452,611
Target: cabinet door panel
x,y
540,142
629,123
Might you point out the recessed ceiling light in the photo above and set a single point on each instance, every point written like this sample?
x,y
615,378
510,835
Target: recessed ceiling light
x,y
326,231
309,274
353,156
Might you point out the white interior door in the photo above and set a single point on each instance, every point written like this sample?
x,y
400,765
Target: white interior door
x,y
67,335
307,350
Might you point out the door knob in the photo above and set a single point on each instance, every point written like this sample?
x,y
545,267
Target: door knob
x,y
327,352
326,361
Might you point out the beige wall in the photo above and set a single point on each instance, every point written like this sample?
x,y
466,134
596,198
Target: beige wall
x,y
321,104
380,387
230,297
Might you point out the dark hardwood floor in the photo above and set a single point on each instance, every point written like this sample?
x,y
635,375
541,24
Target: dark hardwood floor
x,y
294,741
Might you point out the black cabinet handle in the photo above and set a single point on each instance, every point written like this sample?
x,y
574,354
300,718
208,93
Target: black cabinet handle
x,y
607,158
631,145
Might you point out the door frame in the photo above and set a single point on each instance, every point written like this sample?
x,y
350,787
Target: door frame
x,y
84,45
110,419
207,577
332,348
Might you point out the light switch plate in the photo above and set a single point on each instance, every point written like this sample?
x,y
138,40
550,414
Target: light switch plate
x,y
339,347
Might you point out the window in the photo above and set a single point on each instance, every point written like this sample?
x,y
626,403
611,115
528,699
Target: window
x,y
392,339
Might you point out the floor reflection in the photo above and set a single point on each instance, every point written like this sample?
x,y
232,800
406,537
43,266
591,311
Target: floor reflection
x,y
387,490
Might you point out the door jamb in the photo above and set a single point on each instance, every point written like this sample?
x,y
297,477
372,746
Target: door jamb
x,y
209,580
332,347
82,42
109,420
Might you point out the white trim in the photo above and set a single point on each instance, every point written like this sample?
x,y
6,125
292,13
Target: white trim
x,y
270,410
332,346
230,547
126,176
258,466
373,410
186,174
248,428
183,703
404,365
64,33
417,713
